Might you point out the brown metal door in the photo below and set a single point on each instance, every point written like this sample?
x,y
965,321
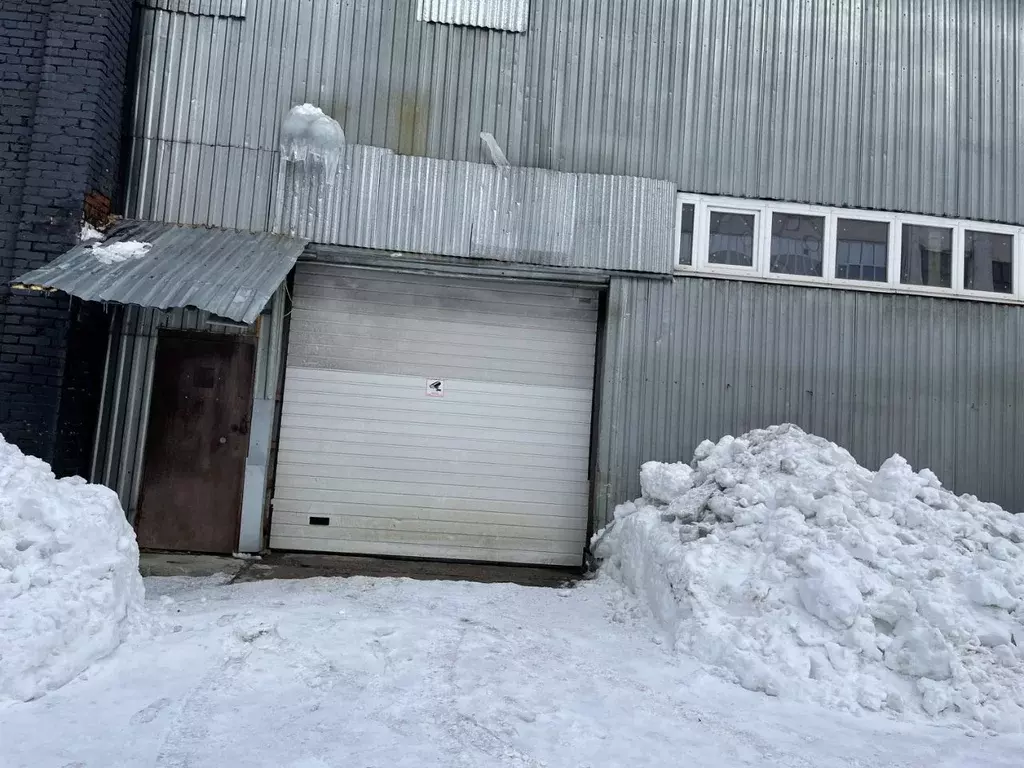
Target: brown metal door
x,y
198,437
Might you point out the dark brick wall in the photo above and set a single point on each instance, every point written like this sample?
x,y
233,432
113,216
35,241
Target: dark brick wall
x,y
62,69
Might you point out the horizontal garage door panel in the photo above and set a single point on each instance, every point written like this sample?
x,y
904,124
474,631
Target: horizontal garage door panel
x,y
554,370
377,516
312,439
356,526
401,344
495,433
317,383
320,503
557,335
493,467
413,407
483,300
495,539
430,481
404,459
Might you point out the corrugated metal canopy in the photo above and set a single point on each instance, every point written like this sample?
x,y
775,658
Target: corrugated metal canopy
x,y
224,271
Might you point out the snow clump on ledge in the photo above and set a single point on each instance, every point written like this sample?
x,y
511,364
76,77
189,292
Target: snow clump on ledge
x,y
69,576
89,232
792,570
307,134
115,253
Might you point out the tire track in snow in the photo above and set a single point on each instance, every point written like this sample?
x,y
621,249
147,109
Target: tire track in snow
x,y
465,730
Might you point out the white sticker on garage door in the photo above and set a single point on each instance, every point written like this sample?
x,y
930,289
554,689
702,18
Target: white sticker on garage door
x,y
435,387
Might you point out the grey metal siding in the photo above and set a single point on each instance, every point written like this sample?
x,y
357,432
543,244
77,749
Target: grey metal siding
x,y
376,199
512,15
229,8
939,381
910,105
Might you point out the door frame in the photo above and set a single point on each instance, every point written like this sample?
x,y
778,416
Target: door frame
x,y
188,335
344,257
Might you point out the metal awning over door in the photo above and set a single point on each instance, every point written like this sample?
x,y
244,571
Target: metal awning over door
x,y
436,417
226,272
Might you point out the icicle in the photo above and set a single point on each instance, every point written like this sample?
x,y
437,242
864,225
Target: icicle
x,y
310,136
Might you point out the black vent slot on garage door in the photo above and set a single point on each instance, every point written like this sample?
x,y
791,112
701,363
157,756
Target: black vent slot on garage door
x,y
319,521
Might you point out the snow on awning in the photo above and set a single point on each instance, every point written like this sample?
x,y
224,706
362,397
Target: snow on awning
x,y
224,271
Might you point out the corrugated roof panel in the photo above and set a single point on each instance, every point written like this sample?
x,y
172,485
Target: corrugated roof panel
x,y
226,272
510,15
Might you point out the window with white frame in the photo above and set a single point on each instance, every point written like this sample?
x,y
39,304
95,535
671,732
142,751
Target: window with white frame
x,y
870,250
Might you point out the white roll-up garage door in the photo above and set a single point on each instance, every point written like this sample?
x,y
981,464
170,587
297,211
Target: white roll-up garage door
x,y
436,417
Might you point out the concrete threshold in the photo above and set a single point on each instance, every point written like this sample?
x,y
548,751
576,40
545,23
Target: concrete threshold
x,y
297,565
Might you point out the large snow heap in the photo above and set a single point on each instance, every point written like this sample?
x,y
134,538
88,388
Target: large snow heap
x,y
69,575
792,570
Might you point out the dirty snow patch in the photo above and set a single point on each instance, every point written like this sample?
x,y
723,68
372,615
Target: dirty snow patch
x,y
89,232
116,253
794,571
69,575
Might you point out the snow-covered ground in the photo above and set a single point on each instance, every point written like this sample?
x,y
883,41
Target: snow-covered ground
x,y
773,561
390,672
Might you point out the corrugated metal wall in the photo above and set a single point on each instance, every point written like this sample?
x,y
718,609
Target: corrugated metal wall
x,y
910,105
512,15
939,381
232,8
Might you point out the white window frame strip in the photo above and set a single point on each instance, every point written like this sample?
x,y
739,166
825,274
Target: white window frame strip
x,y
816,211
702,225
1018,256
763,211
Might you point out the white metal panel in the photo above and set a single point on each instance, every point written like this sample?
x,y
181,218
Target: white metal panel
x,y
510,15
496,468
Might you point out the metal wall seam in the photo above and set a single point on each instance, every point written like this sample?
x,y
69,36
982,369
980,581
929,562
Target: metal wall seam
x,y
690,359
215,186
227,8
913,107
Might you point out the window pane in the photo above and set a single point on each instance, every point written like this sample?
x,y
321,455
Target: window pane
x,y
797,244
686,236
732,239
927,256
862,250
988,262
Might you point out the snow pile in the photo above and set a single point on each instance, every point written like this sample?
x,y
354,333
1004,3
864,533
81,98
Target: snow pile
x,y
115,253
793,570
69,575
307,134
89,232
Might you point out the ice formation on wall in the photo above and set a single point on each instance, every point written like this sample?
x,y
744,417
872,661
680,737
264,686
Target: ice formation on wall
x,y
310,136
